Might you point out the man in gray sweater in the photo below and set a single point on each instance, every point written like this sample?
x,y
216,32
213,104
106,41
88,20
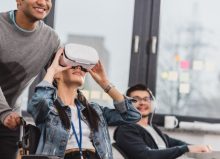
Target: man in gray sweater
x,y
26,46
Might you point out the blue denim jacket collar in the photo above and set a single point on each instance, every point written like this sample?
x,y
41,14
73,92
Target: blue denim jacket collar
x,y
81,107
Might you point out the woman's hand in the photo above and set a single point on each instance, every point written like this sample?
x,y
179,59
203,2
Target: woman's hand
x,y
55,67
99,75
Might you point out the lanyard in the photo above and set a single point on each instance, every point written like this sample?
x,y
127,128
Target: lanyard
x,y
78,140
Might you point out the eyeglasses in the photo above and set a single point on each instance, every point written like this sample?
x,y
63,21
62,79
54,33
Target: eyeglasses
x,y
81,68
145,99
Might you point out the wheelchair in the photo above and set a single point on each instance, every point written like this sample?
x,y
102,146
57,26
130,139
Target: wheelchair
x,y
30,136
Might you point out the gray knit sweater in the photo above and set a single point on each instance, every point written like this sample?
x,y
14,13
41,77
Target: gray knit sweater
x,y
22,56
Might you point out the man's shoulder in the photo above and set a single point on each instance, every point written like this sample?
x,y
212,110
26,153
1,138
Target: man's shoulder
x,y
3,16
47,31
128,126
3,13
46,27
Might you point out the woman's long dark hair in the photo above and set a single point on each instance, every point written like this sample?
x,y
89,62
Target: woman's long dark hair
x,y
91,115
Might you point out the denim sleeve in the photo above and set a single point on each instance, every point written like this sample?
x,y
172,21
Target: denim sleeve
x,y
124,112
42,101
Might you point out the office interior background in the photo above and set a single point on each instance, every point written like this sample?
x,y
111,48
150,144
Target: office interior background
x,y
171,46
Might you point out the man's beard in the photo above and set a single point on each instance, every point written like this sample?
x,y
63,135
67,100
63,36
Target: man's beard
x,y
146,115
33,18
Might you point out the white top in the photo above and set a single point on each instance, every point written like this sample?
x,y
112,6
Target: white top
x,y
72,143
157,138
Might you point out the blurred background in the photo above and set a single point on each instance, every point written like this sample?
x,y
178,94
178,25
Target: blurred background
x,y
171,46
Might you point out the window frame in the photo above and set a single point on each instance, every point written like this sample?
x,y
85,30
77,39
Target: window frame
x,y
146,26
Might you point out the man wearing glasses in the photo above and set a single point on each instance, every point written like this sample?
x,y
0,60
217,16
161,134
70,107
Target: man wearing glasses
x,y
144,140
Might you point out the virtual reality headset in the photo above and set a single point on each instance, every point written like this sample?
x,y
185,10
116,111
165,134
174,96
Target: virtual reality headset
x,y
79,55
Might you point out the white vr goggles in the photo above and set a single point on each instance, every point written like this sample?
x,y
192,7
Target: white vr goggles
x,y
79,55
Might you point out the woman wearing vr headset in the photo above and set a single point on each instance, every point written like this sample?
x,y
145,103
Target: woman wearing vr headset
x,y
71,127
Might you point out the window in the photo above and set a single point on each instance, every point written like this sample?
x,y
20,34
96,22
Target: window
x,y
7,5
188,75
104,25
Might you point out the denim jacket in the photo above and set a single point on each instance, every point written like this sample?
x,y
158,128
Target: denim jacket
x,y
54,136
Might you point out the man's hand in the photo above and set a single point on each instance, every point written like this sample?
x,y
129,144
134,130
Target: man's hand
x,y
199,148
12,121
